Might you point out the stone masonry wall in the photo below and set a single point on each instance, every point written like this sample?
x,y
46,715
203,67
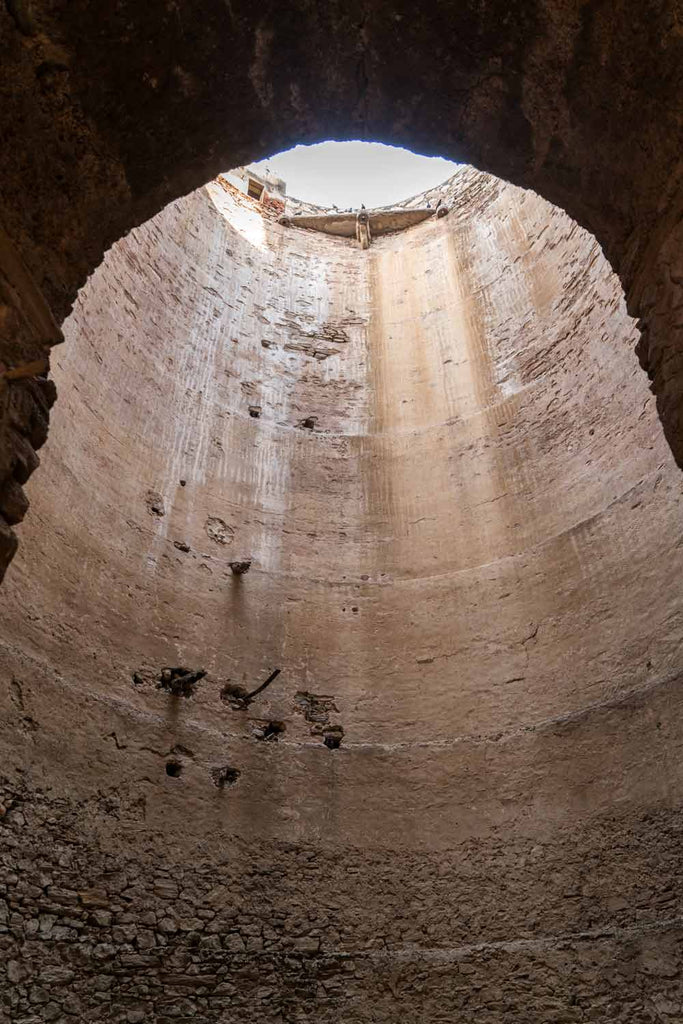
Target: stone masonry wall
x,y
519,930
461,794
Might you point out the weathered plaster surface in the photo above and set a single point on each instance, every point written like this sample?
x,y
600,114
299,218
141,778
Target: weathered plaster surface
x,y
469,563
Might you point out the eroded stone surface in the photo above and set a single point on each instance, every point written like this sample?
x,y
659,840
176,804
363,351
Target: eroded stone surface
x,y
467,571
27,331
495,835
107,115
512,929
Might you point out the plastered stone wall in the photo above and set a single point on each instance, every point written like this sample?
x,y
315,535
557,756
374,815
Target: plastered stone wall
x,y
466,569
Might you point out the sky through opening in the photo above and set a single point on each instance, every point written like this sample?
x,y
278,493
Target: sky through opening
x,y
346,174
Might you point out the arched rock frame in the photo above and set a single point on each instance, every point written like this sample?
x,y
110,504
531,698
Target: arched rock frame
x,y
108,115
109,112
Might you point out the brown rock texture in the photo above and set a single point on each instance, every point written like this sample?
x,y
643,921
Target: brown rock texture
x,y
107,113
26,395
460,796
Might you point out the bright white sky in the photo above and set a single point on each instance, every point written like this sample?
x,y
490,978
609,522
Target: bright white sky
x,y
347,174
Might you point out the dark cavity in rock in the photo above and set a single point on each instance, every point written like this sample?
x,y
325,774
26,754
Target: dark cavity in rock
x,y
269,731
179,681
240,566
332,736
224,776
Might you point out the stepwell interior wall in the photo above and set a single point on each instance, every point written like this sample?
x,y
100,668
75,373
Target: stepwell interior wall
x,y
445,464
